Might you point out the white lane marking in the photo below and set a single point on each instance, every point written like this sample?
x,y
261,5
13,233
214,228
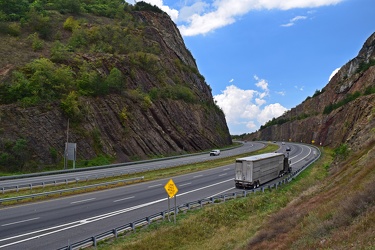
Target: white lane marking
x,y
75,202
17,222
226,169
157,185
131,197
303,157
90,220
223,174
181,185
198,176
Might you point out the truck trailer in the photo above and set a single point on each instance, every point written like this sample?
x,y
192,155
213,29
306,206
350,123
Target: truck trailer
x,y
252,171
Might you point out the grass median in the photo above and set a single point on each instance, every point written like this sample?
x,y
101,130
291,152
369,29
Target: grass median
x,y
148,176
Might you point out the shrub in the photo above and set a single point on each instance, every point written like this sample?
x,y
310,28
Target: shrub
x,y
363,66
342,151
369,90
115,80
69,6
13,10
40,80
70,24
349,97
59,52
124,116
36,43
70,105
14,154
39,23
78,39
13,29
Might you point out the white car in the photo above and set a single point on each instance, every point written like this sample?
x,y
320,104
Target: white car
x,y
215,152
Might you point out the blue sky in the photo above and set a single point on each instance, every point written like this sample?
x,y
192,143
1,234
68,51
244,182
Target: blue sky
x,y
263,57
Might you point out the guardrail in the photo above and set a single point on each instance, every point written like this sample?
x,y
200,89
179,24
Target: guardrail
x,y
92,241
43,184
65,171
32,196
91,177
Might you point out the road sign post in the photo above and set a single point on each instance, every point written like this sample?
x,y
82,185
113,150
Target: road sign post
x,y
171,190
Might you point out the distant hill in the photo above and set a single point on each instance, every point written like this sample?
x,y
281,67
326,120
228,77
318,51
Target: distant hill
x,y
120,74
341,113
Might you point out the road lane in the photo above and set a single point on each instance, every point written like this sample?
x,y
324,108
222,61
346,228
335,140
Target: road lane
x,y
135,167
71,219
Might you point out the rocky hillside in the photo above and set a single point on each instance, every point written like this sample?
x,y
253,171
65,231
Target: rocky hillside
x,y
124,80
341,113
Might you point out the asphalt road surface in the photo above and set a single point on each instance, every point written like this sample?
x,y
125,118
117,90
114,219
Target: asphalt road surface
x,y
56,223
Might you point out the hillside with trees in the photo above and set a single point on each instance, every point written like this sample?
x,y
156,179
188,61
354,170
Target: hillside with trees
x,y
118,74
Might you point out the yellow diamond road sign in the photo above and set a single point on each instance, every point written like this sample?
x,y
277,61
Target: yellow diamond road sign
x,y
171,188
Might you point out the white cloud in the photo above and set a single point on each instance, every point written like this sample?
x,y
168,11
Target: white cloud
x,y
293,21
204,17
231,80
271,111
299,88
246,107
187,11
333,73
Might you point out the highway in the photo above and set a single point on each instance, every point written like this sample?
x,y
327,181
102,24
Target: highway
x,y
56,223
136,167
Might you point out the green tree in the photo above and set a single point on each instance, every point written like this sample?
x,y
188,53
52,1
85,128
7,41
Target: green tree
x,y
40,80
69,6
13,10
59,52
115,80
70,105
40,23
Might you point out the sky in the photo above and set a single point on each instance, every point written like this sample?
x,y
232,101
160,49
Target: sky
x,y
264,57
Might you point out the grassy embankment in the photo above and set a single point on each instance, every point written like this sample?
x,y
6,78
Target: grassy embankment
x,y
331,205
148,176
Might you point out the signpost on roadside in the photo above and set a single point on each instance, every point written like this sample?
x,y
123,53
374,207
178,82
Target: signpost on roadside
x,y
171,190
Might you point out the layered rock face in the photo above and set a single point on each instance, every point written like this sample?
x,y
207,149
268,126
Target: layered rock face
x,y
343,112
129,125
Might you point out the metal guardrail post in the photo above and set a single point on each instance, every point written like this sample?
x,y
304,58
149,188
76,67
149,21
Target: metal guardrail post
x,y
94,241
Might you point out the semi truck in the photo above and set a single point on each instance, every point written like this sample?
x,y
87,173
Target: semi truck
x,y
252,171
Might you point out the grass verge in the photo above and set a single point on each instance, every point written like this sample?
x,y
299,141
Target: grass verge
x,y
148,176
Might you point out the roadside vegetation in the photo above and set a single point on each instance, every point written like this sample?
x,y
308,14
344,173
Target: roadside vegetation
x,y
331,205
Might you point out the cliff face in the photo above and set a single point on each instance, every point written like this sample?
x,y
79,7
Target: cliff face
x,y
143,120
343,112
